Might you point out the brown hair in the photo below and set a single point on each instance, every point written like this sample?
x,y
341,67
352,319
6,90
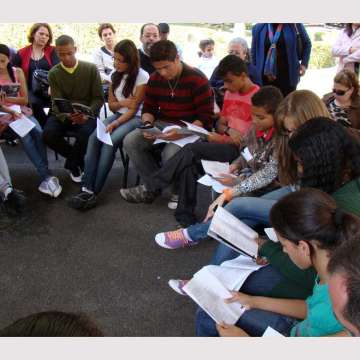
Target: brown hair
x,y
301,106
104,26
35,27
349,79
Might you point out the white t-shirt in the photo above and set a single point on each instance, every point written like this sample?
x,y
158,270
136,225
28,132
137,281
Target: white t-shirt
x,y
141,79
207,65
105,63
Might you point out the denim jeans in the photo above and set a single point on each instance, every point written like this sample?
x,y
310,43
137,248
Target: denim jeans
x,y
36,150
253,321
5,181
100,157
252,211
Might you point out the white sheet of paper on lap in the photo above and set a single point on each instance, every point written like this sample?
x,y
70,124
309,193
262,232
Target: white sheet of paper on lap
x,y
247,154
208,292
181,142
22,126
233,273
271,234
215,168
195,128
229,230
214,184
271,332
101,133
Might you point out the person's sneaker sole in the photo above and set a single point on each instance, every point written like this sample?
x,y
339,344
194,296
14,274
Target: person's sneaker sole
x,y
160,240
57,192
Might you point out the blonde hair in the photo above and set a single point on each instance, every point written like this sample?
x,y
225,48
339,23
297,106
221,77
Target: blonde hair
x,y
301,106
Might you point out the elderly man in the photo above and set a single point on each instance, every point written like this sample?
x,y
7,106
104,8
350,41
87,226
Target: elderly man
x,y
149,35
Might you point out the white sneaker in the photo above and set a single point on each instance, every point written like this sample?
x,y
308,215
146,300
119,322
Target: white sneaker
x,y
173,203
76,175
177,285
50,187
55,186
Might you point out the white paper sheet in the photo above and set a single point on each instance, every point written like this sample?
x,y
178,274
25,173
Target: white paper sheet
x,y
181,142
216,185
228,229
247,154
271,234
208,292
101,133
271,332
22,126
215,168
195,128
233,273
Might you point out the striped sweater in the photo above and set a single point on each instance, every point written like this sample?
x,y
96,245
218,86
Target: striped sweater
x,y
193,98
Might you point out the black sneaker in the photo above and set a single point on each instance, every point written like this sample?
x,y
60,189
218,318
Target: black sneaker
x,y
16,201
139,194
82,201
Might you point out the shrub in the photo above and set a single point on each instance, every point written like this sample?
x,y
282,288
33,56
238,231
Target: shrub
x,y
321,56
318,36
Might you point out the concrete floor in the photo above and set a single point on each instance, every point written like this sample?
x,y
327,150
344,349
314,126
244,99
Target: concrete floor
x,y
103,262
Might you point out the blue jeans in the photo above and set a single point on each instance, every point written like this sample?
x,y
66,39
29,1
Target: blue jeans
x,y
35,149
100,157
253,321
252,211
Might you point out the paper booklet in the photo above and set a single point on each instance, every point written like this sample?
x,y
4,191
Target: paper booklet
x,y
271,234
11,90
65,106
208,292
22,126
229,230
181,142
192,129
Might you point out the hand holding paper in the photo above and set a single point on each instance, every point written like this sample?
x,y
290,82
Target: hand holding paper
x,y
101,133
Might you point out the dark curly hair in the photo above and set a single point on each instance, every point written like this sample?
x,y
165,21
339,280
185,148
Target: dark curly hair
x,y
328,154
128,50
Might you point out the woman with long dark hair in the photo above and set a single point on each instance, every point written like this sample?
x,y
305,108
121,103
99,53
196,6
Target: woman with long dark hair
x,y
39,55
126,94
309,225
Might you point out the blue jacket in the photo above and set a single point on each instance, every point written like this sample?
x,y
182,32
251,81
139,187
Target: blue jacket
x,y
258,55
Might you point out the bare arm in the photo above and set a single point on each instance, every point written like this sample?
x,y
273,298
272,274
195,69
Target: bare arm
x,y
23,98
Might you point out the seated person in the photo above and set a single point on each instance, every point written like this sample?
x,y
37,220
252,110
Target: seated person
x,y
10,198
79,82
344,285
32,142
149,35
39,55
310,227
126,94
343,102
222,146
207,62
174,92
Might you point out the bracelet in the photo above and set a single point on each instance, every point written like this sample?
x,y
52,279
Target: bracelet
x,y
228,194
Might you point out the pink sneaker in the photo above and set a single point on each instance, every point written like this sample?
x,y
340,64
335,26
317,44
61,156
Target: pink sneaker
x,y
174,239
177,285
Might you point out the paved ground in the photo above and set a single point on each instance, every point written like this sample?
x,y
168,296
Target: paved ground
x,y
103,262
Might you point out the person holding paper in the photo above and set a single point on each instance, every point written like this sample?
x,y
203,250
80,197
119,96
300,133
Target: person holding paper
x,y
31,138
223,145
174,92
310,227
126,94
256,156
79,82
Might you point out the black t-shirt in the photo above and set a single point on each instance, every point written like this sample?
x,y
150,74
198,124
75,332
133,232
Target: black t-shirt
x,y
145,63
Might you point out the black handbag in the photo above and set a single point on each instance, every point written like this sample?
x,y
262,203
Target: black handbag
x,y
40,83
299,43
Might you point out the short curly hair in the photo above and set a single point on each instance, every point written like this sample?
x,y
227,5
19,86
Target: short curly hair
x,y
104,26
35,27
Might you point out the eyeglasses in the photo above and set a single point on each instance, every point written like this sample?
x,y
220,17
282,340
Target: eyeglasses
x,y
340,92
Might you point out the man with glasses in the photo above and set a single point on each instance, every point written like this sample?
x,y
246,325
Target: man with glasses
x,y
344,285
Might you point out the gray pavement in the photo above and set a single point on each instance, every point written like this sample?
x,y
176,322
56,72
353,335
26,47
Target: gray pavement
x,y
103,262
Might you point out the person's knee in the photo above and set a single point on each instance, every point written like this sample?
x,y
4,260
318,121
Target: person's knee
x,y
133,141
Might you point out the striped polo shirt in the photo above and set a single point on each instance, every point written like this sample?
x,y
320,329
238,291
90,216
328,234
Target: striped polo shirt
x,y
192,100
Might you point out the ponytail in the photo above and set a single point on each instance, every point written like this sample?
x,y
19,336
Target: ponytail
x,y
310,214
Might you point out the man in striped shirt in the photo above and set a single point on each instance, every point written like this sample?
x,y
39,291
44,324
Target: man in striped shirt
x,y
174,92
